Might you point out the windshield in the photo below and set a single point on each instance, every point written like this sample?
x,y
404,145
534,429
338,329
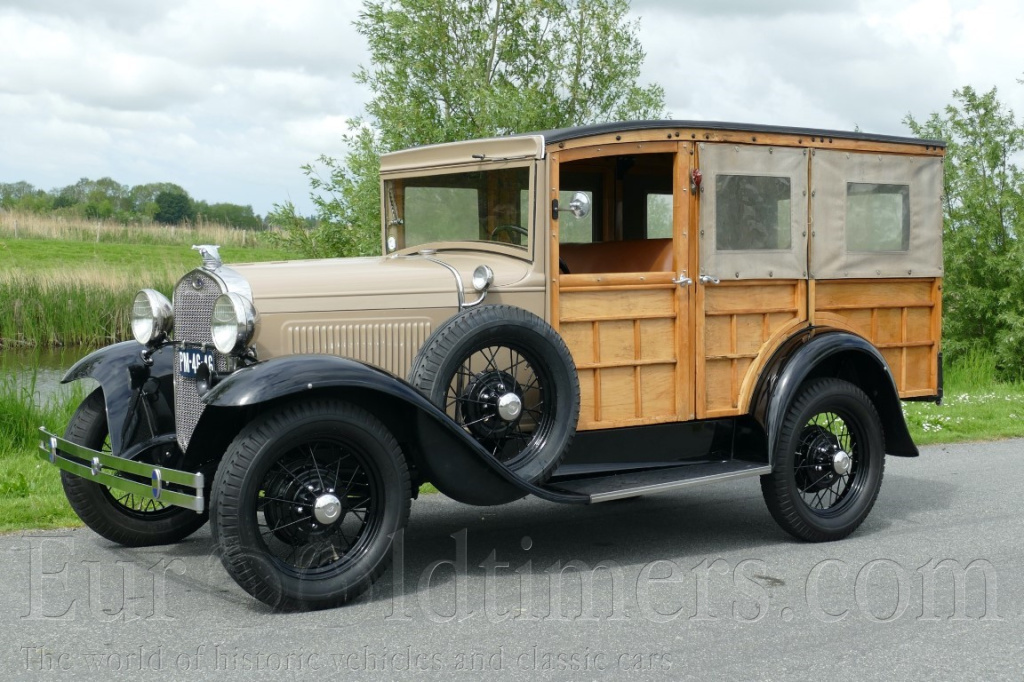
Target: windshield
x,y
475,206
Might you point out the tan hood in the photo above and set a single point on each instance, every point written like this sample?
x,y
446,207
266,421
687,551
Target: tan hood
x,y
376,283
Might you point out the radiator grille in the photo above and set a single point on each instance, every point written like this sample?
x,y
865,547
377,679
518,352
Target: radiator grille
x,y
192,308
391,345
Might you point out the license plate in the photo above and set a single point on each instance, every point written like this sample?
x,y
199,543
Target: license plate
x,y
189,360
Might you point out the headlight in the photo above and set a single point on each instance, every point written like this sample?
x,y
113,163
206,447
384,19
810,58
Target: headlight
x,y
152,317
232,323
483,276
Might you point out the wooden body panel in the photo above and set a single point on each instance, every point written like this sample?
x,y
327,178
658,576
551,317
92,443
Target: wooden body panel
x,y
742,324
622,337
901,317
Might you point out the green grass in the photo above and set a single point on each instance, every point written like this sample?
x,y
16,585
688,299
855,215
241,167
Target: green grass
x,y
47,256
30,492
57,293
975,406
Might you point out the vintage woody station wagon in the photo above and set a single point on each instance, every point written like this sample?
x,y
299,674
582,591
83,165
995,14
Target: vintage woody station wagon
x,y
581,315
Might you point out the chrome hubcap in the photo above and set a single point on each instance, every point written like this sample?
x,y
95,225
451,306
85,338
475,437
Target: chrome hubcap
x,y
841,462
509,407
327,509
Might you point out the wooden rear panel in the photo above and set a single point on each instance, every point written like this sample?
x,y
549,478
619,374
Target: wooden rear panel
x,y
743,323
901,317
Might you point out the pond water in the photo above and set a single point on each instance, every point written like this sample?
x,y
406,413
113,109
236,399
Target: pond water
x,y
39,370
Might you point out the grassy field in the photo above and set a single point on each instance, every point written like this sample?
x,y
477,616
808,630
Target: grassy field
x,y
55,292
975,407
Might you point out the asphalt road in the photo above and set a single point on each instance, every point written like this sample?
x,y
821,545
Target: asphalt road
x,y
695,585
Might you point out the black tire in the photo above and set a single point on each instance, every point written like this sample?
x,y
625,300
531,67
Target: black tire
x,y
116,515
273,476
808,494
485,354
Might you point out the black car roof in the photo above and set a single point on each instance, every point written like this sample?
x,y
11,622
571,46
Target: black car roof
x,y
564,134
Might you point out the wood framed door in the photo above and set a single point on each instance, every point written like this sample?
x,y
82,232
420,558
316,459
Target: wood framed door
x,y
624,307
751,286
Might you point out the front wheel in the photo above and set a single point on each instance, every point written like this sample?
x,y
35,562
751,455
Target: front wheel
x,y
829,462
117,515
306,503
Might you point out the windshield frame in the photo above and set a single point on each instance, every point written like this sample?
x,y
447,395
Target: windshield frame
x,y
528,218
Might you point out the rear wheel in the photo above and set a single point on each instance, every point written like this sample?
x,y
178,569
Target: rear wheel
x,y
117,515
829,462
306,504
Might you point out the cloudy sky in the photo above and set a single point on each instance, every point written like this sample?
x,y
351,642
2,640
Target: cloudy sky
x,y
228,98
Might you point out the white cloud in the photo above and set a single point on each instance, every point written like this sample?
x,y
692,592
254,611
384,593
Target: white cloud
x,y
230,98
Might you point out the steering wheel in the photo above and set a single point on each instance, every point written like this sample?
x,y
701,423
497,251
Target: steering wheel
x,y
510,229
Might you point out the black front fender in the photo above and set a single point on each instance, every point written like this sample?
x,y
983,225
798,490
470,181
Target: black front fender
x,y
819,352
139,397
453,461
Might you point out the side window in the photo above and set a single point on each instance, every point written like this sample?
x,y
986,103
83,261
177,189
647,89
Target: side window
x,y
877,217
752,212
659,216
629,228
753,215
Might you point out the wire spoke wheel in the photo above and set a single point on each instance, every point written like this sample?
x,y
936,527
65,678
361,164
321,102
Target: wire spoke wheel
x,y
318,506
306,503
829,462
824,487
498,395
506,378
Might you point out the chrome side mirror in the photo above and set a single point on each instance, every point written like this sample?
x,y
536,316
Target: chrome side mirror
x,y
579,205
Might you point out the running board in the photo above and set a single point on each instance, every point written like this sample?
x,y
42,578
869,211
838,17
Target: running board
x,y
620,486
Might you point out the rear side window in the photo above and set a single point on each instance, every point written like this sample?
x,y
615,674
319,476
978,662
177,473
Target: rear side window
x,y
752,212
877,217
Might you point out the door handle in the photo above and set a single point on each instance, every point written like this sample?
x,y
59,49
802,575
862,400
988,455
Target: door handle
x,y
682,280
709,279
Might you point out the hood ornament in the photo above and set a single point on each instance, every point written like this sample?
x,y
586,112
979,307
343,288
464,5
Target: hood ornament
x,y
211,258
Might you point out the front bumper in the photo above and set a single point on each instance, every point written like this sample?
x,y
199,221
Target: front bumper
x,y
125,474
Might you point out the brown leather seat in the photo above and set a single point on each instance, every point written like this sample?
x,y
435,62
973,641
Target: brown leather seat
x,y
636,255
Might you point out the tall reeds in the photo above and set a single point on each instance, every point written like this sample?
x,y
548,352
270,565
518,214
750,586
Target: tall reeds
x,y
69,309
17,225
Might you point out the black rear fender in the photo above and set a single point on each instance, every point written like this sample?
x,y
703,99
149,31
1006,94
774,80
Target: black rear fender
x,y
139,396
822,352
437,448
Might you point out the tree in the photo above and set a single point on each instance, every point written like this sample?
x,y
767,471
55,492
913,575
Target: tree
x,y
234,215
173,207
444,70
12,192
142,198
983,208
